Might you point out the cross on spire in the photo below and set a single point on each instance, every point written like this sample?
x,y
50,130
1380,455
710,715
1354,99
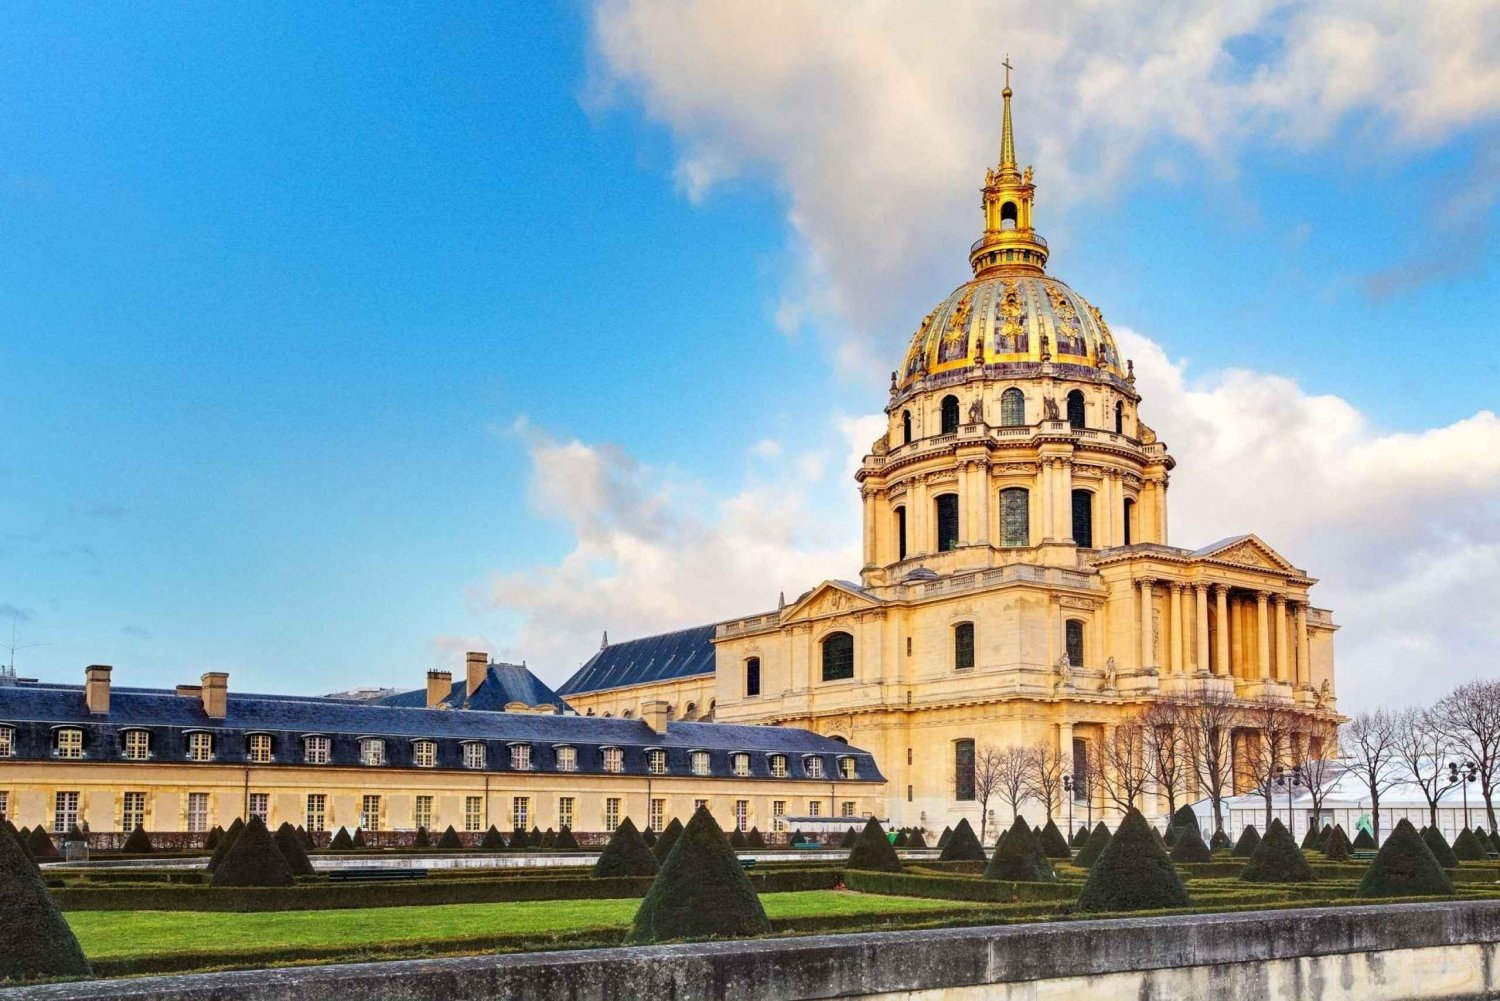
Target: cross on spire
x,y
1008,67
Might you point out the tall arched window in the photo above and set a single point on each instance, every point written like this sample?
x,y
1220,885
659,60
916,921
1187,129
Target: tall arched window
x,y
1073,630
752,677
963,770
1083,518
1119,417
906,427
950,415
1012,408
1075,408
1015,516
963,646
901,533
947,522
1129,520
838,657
1008,215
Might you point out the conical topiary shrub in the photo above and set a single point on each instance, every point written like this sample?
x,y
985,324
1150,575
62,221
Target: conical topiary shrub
x,y
1184,817
1054,845
359,838
1309,842
422,840
626,854
35,941
915,839
342,842
1093,847
667,839
701,891
1190,846
492,841
1337,848
900,840
1323,836
308,844
1486,840
943,838
212,840
963,846
549,840
534,839
873,850
1248,842
755,839
565,840
450,841
1080,836
519,841
291,849
1441,850
1220,841
40,843
139,842
1133,873
253,860
737,839
1405,867
795,839
225,843
649,836
1277,859
1364,841
850,836
1019,857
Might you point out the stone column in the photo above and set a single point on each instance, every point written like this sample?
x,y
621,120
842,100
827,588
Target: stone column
x,y
918,518
1059,642
1116,509
1304,666
1064,482
1262,635
1044,488
1200,592
984,493
1221,630
871,557
1283,662
1065,744
1178,647
1146,651
1161,511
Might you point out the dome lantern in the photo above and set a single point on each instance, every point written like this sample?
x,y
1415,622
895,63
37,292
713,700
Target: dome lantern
x,y
1009,244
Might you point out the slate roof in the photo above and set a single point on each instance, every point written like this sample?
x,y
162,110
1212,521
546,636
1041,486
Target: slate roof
x,y
681,654
502,685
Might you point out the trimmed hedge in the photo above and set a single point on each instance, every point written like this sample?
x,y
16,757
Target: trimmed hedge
x,y
212,841
1133,873
1277,859
359,838
1080,836
850,836
253,860
701,891
1189,846
649,836
900,840
450,840
1248,842
1405,867
942,841
737,839
916,840
1089,853
1364,841
565,840
138,843
1054,845
342,842
291,849
35,940
1220,841
962,844
1018,857
873,850
952,887
40,845
1439,847
755,839
625,855
226,842
667,839
422,840
492,840
1337,847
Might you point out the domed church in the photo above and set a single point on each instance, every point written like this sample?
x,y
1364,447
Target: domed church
x,y
1018,587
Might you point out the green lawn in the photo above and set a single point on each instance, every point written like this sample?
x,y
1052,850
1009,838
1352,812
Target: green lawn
x,y
130,934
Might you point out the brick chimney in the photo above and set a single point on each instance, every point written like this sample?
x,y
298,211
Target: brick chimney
x,y
439,686
654,713
216,694
477,663
96,688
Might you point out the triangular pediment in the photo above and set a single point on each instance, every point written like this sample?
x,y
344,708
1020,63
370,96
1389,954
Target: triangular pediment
x,y
832,597
1247,551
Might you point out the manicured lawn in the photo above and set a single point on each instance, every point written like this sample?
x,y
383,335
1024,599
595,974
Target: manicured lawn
x,y
127,934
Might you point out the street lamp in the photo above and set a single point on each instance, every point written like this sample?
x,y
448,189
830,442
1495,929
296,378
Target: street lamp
x,y
1469,774
1068,788
1288,779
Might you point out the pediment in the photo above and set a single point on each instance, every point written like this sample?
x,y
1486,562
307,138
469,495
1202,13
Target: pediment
x,y
829,598
1247,551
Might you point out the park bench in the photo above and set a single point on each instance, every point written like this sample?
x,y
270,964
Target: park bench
x,y
1363,855
369,874
747,864
805,847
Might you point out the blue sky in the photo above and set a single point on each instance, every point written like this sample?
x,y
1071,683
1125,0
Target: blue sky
x,y
295,306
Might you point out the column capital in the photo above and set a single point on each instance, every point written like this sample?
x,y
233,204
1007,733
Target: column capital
x,y
1262,596
1177,586
1146,583
1220,589
1279,599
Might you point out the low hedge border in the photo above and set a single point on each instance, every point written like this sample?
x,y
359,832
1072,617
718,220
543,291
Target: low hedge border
x,y
893,884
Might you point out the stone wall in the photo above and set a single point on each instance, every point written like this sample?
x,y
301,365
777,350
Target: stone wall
x,y
1438,951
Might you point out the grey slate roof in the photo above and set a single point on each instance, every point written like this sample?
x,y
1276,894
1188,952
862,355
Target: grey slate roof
x,y
502,685
680,654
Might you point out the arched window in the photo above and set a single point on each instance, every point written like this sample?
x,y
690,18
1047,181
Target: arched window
x,y
1080,770
1012,408
1129,520
906,427
1073,632
963,770
947,522
963,646
901,533
1075,408
1015,516
1083,518
752,677
838,657
1008,215
949,422
1119,417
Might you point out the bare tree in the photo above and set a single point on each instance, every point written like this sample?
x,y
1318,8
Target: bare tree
x,y
1470,718
1166,751
1122,757
1208,720
1422,746
1015,776
1318,774
1044,775
1268,749
986,781
1372,741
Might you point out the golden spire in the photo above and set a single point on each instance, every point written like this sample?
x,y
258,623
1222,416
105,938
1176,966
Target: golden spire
x,y
1009,244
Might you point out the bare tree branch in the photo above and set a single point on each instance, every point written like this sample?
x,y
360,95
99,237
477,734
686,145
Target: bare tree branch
x,y
1372,742
1044,775
1422,746
1208,720
1470,718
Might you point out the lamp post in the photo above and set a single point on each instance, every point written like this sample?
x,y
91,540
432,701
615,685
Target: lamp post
x,y
1470,771
1068,788
1287,778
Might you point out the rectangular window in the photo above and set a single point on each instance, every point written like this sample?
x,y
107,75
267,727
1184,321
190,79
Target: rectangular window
x,y
137,747
1073,634
4,805
656,762
422,812
565,811
424,753
520,757
813,767
1080,770
65,812
814,808
567,759
260,748
316,752
1083,518
70,743
474,755
947,523
197,812
260,806
963,646
778,811
132,811
1015,517
369,813
752,677
473,813
656,815
520,813
742,814
900,533
778,765
611,813
963,770
848,768
742,764
699,804
7,741
846,808
317,811
614,761
200,747
372,752
700,762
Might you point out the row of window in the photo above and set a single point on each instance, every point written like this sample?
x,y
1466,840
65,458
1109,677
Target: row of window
x,y
66,815
317,749
1015,520
838,655
1012,413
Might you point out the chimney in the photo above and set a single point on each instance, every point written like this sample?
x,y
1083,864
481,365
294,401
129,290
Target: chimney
x,y
439,686
477,662
96,688
216,695
654,713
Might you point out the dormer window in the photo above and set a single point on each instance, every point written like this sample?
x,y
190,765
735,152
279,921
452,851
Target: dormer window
x,y
848,767
520,757
813,767
424,753
200,746
259,748
136,745
656,762
700,762
778,766
567,759
474,754
614,759
372,751
69,742
316,750
741,762
7,741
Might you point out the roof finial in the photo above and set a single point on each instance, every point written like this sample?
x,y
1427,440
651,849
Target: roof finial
x,y
605,641
1007,139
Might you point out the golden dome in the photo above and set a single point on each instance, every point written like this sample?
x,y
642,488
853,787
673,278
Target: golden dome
x,y
1012,320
